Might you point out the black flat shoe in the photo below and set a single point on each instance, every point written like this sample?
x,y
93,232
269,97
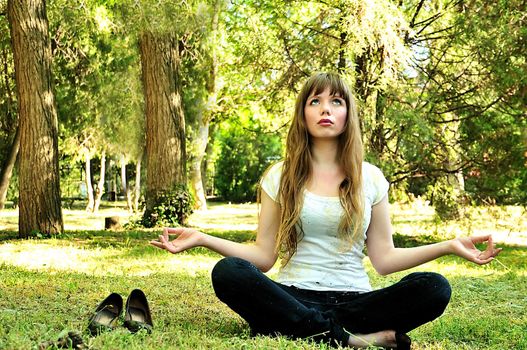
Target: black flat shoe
x,y
106,314
137,315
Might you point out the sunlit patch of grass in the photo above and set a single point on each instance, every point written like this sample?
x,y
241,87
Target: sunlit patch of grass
x,y
226,217
74,219
9,219
82,220
56,255
507,224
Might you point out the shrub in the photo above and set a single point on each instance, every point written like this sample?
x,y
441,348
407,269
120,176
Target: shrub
x,y
171,208
446,200
243,157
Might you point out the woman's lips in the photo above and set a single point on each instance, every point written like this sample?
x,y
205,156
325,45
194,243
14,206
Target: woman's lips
x,y
325,122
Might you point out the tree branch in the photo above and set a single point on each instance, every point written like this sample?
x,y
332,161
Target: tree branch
x,y
416,13
313,29
477,108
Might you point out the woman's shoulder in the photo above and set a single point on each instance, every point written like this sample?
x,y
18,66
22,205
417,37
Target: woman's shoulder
x,y
270,181
273,171
275,167
375,184
370,169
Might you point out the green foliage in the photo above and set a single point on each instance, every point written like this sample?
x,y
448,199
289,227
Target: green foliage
x,y
499,170
441,87
97,72
446,200
12,190
170,209
8,98
244,154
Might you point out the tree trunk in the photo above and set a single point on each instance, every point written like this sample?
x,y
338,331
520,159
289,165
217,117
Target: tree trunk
x,y
124,185
196,180
7,168
197,168
342,63
165,123
89,186
205,164
378,139
39,180
129,200
137,189
99,191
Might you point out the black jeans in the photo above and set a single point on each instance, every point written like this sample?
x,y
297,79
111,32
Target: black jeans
x,y
271,308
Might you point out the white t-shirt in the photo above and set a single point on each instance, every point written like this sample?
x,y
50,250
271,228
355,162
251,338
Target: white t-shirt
x,y
322,260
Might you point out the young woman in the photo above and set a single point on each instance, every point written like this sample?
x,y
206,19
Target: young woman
x,y
319,207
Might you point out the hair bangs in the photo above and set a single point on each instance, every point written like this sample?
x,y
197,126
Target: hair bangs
x,y
323,81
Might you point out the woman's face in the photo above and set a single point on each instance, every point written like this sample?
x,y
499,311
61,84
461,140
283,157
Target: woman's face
x,y
325,114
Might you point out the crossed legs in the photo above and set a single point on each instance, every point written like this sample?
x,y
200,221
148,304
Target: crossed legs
x,y
372,318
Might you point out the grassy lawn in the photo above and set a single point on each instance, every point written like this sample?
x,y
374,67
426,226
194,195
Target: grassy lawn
x,y
51,286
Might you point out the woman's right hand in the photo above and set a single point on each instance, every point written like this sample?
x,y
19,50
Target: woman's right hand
x,y
186,238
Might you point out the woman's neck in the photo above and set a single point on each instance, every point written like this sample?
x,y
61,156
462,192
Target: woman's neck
x,y
327,173
324,152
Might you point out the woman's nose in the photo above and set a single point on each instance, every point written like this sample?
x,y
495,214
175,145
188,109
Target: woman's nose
x,y
325,108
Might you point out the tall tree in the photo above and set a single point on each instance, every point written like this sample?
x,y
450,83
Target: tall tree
x,y
40,203
165,122
201,99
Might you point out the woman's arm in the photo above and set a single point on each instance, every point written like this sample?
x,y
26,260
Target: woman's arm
x,y
386,259
262,253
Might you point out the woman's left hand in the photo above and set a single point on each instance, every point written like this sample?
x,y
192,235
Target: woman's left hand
x,y
186,238
465,247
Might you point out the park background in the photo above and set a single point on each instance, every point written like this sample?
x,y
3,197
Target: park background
x,y
160,113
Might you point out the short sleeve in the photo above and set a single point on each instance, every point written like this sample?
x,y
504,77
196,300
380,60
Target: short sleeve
x,y
377,183
271,180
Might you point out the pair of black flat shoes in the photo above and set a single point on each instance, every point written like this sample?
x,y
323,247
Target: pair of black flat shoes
x,y
137,313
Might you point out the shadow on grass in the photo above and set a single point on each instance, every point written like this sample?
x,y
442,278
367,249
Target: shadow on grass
x,y
122,238
8,235
405,241
119,236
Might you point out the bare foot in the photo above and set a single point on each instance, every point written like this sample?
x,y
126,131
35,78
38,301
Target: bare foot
x,y
382,338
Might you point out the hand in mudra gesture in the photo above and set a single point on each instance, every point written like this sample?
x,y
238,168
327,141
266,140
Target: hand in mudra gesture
x,y
465,247
186,238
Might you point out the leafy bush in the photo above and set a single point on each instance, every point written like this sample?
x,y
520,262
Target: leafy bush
x,y
446,200
170,209
243,157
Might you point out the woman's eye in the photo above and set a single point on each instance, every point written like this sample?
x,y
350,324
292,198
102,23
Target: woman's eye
x,y
337,102
314,101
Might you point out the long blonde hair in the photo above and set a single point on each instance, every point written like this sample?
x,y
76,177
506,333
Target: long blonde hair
x,y
297,167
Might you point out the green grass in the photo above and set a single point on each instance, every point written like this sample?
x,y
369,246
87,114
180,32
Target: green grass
x,y
49,286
